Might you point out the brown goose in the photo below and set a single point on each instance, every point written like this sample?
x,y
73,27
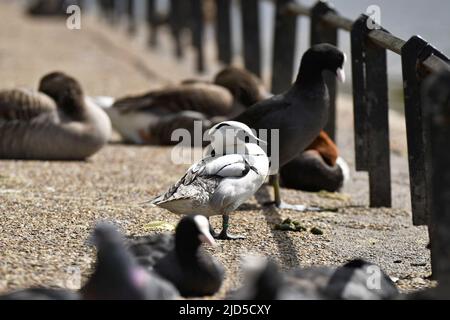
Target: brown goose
x,y
146,119
56,123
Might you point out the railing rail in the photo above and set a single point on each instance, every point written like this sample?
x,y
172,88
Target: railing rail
x,y
369,46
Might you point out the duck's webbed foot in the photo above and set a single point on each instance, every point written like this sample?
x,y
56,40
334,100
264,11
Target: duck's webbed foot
x,y
224,235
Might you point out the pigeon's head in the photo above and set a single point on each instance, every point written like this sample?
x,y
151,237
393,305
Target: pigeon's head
x,y
193,230
105,234
264,278
322,57
246,88
229,134
64,89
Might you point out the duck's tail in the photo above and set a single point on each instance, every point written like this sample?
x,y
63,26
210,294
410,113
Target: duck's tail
x,y
153,202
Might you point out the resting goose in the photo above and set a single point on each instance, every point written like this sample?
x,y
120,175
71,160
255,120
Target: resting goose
x,y
149,118
300,113
181,259
229,175
55,123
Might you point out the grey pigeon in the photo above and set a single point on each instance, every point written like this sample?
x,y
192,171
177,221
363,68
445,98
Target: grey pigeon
x,y
355,280
117,275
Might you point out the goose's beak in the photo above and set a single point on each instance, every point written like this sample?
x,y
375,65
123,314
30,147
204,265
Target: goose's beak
x,y
340,74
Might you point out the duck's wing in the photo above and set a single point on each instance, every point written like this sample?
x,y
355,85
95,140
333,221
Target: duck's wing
x,y
25,105
204,177
209,99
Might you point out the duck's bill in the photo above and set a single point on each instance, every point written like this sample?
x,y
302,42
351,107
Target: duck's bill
x,y
206,237
340,74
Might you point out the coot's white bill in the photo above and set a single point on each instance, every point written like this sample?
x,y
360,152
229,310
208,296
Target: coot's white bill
x,y
340,73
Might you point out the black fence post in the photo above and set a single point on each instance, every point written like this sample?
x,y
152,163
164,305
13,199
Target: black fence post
x,y
371,112
197,27
358,34
436,99
152,23
223,31
378,126
321,32
283,47
251,35
101,8
176,20
416,136
108,10
132,25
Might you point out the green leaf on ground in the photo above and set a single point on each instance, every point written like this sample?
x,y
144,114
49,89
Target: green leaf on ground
x,y
290,225
316,231
159,226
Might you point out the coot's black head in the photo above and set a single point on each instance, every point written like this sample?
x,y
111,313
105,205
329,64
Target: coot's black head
x,y
116,275
245,87
191,232
65,90
319,58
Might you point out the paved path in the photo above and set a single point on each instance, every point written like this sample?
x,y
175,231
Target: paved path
x,y
47,209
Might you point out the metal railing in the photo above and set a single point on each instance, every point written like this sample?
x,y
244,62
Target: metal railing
x,y
369,47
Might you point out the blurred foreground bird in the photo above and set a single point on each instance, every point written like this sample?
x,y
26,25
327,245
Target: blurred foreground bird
x,y
117,276
180,259
355,280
